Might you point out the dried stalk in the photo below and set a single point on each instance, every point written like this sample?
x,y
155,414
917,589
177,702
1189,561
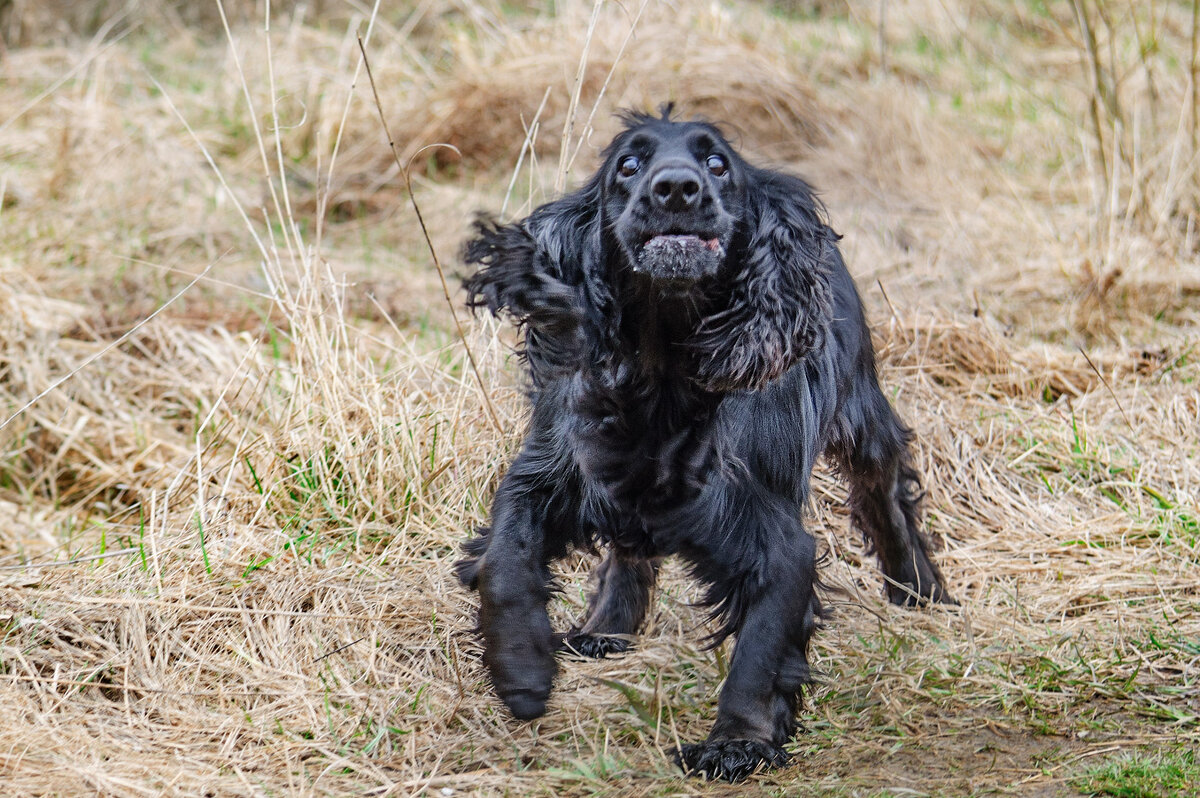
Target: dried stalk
x,y
437,263
1090,61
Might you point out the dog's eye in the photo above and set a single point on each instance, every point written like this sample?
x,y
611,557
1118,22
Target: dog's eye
x,y
630,164
716,165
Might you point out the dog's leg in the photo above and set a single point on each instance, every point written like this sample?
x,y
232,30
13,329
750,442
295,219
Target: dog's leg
x,y
885,496
763,572
509,569
617,607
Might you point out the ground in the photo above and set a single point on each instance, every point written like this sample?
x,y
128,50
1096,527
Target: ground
x,y
241,438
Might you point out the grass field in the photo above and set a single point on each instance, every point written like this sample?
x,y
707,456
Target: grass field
x,y
240,438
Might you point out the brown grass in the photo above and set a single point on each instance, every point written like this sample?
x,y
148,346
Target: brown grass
x,y
239,443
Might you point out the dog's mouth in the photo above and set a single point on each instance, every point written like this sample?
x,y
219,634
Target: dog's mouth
x,y
678,257
686,240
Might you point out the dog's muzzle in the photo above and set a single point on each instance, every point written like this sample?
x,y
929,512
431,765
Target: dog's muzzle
x,y
679,258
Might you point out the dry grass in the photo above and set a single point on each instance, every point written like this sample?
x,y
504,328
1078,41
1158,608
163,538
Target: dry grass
x,y
240,441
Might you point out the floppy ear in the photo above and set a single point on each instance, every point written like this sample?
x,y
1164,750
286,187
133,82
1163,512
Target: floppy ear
x,y
516,277
547,273
779,301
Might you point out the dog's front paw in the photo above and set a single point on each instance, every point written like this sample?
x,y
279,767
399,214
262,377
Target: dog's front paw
x,y
518,645
731,760
593,646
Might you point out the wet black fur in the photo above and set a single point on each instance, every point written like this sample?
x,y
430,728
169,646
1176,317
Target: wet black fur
x,y
683,417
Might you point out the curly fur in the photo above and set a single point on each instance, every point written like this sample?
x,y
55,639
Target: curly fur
x,y
694,342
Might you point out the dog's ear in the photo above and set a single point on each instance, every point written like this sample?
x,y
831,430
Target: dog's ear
x,y
516,276
779,301
548,273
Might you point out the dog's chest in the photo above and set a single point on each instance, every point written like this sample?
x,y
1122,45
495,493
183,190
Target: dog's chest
x,y
644,447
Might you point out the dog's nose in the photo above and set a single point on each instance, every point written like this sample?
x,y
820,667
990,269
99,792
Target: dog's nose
x,y
676,188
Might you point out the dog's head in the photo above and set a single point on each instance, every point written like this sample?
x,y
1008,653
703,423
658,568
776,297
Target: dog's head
x,y
671,192
743,252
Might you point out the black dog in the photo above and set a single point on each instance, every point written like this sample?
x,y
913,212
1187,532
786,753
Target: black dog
x,y
694,342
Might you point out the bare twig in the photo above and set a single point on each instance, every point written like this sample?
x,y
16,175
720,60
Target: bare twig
x,y
323,196
883,64
412,197
526,147
888,300
108,348
1106,385
25,566
1146,44
564,157
587,125
1194,71
339,649
1090,60
83,63
262,147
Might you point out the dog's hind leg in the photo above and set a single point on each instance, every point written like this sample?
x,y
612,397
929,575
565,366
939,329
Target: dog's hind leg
x,y
885,493
617,607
